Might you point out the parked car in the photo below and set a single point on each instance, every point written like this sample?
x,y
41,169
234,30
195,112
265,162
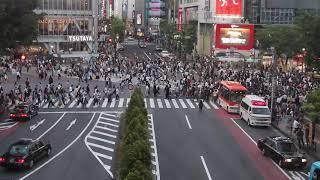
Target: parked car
x,y
24,111
24,153
283,151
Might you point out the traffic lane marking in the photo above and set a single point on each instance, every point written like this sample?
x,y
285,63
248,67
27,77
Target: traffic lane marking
x,y
206,168
60,152
262,163
188,122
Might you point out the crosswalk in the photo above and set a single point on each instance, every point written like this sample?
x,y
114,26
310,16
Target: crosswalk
x,y
102,138
150,103
7,125
296,175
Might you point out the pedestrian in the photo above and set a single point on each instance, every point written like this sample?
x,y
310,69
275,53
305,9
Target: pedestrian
x,y
300,138
306,135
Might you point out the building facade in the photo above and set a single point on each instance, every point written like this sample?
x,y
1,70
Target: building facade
x,y
155,11
69,28
279,12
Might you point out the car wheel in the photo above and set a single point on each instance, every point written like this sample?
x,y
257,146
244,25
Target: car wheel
x,y
30,165
280,163
49,152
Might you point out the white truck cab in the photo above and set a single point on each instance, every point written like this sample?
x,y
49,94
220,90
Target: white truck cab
x,y
255,111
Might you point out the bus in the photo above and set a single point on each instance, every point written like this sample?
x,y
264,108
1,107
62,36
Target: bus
x,y
230,95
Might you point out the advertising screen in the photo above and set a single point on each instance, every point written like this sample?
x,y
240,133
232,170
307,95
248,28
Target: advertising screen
x,y
238,36
180,20
229,7
139,19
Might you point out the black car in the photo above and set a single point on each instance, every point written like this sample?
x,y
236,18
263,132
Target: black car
x,y
24,153
24,111
283,151
158,49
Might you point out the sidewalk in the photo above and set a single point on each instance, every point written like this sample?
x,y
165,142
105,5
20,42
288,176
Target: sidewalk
x,y
285,127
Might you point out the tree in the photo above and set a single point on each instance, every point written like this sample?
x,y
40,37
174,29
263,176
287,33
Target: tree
x,y
19,24
308,26
312,106
281,38
117,28
189,36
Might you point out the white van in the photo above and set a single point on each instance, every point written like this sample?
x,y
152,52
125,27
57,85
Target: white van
x,y
255,111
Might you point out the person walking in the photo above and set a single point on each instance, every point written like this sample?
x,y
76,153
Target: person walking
x,y
300,138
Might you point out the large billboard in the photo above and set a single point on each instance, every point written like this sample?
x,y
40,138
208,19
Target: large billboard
x,y
180,20
237,36
139,19
229,7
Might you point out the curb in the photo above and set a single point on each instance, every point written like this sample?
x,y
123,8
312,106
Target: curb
x,y
312,155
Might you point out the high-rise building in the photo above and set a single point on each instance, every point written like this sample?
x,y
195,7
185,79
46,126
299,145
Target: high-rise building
x,y
69,27
156,11
278,11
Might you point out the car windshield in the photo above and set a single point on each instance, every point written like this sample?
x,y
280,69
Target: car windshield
x,y
21,109
262,111
287,147
236,96
18,150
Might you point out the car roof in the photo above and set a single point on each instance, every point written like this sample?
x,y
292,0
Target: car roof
x,y
24,141
280,139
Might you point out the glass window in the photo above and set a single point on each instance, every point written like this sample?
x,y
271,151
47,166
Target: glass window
x,y
263,111
287,147
18,150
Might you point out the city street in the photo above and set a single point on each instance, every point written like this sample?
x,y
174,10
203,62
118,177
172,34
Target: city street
x,y
187,144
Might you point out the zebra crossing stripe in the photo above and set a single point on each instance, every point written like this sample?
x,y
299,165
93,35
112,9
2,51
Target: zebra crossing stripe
x,y
128,100
160,103
182,104
120,102
79,105
56,104
214,105
105,102
113,102
46,105
166,101
73,103
152,103
89,102
100,147
145,103
190,103
206,105
175,104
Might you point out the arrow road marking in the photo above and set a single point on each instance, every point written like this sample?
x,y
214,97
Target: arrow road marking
x,y
35,126
205,167
71,124
188,122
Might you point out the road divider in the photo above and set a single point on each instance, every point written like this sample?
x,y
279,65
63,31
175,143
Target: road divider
x,y
188,122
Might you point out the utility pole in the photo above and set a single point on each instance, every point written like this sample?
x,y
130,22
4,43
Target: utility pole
x,y
273,81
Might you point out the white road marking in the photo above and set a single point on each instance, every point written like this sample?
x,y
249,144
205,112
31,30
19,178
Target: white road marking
x,y
89,102
73,103
152,103
105,134
108,119
175,104
55,156
109,124
75,112
256,145
182,104
145,103
189,125
153,140
128,101
105,102
51,126
113,102
190,103
79,105
121,102
205,167
104,156
46,105
206,105
101,147
166,101
71,124
35,126
56,104
159,103
214,105
147,56
105,128
100,139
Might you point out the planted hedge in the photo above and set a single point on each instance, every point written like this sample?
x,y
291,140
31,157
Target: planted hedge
x,y
135,156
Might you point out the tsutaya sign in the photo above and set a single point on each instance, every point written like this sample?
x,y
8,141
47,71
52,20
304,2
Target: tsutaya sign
x,y
79,38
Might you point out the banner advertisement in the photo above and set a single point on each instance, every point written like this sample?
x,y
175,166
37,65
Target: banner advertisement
x,y
139,19
229,7
238,36
180,20
103,8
